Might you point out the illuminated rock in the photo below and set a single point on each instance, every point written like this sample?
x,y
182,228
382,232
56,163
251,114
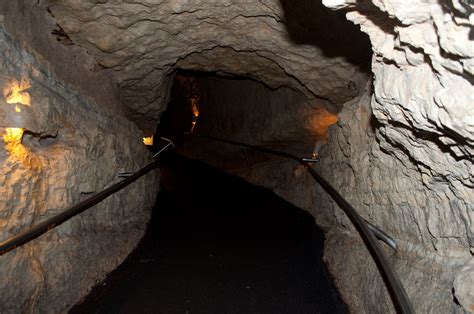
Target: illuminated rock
x,y
55,151
400,151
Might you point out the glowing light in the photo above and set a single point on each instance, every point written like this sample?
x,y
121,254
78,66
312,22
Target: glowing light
x,y
148,141
194,102
15,92
13,135
322,120
17,109
17,152
192,90
195,109
12,140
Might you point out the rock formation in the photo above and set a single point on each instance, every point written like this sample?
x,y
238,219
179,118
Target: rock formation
x,y
408,149
400,152
61,146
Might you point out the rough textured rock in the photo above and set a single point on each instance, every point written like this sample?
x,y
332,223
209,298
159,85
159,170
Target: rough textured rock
x,y
72,146
463,286
278,42
359,166
408,165
401,154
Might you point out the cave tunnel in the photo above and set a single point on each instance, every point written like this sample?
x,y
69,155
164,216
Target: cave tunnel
x,y
205,157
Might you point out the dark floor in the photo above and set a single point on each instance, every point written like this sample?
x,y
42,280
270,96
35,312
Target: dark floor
x,y
217,244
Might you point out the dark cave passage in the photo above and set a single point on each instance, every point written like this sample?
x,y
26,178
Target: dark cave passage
x,y
217,244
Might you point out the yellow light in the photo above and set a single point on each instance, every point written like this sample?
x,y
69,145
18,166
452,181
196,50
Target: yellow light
x,y
17,109
12,140
195,109
18,153
13,135
148,141
194,102
15,92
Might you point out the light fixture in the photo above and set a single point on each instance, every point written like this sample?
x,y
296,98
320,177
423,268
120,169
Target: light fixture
x,y
148,141
195,109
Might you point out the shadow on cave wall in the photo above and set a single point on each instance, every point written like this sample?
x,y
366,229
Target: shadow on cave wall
x,y
309,22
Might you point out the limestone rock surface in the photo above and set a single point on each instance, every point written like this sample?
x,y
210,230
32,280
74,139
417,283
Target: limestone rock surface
x,y
69,147
404,156
280,43
463,287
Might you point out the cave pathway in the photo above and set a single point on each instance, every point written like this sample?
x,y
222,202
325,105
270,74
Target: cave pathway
x,y
217,244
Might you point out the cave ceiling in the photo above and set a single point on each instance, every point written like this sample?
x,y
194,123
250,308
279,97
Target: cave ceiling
x,y
141,43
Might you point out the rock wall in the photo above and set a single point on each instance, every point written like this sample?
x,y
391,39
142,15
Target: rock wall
x,y
403,157
62,138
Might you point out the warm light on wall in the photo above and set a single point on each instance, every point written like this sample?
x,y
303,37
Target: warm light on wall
x,y
16,118
194,102
195,109
18,153
322,120
15,92
12,139
148,141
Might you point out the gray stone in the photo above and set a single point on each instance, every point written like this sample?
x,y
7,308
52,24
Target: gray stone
x,y
464,286
73,147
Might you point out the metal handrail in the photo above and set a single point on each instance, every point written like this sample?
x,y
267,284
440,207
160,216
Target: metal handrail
x,y
34,232
367,231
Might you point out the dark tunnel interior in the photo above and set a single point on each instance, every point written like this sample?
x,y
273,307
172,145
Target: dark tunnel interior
x,y
216,243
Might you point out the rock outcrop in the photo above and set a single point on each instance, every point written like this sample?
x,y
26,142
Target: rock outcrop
x,y
61,140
